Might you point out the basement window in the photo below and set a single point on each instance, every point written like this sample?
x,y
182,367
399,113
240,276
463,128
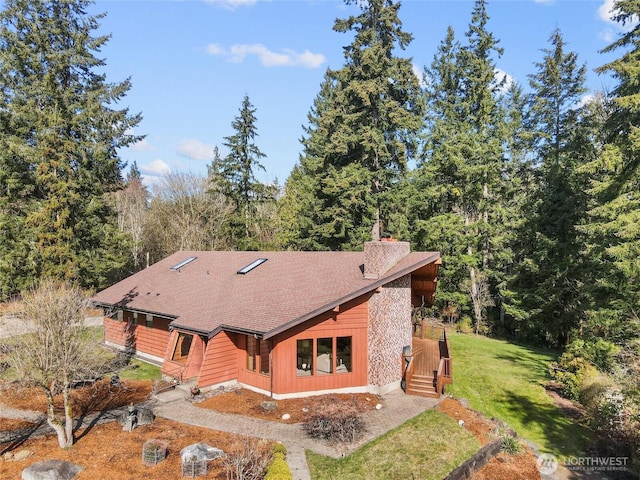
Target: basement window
x,y
251,266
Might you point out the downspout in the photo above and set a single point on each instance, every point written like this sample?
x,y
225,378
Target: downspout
x,y
271,368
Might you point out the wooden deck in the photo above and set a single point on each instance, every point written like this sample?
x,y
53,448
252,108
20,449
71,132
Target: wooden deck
x,y
430,368
426,355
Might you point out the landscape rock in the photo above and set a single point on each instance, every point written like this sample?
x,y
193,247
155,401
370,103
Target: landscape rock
x,y
51,470
200,451
135,417
269,405
21,455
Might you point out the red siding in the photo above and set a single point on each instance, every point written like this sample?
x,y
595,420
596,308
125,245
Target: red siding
x,y
351,320
151,340
221,360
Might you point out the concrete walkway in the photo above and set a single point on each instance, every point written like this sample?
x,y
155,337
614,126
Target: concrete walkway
x,y
397,409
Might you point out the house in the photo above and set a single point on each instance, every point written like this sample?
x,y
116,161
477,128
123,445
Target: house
x,y
285,324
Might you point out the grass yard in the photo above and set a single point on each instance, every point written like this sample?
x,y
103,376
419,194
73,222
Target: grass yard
x,y
507,381
428,447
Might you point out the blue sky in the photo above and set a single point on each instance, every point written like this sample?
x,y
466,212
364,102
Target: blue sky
x,y
192,62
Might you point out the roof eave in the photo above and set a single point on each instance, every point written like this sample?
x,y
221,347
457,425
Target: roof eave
x,y
434,257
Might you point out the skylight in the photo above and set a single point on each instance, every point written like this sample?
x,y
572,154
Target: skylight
x,y
187,261
251,266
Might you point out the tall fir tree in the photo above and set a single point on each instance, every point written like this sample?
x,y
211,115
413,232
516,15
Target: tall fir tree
x,y
614,228
464,162
363,131
551,276
61,132
234,176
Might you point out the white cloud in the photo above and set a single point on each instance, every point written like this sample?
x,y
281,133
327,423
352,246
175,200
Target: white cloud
x,y
142,146
195,150
287,58
506,79
606,11
157,168
417,71
231,4
585,100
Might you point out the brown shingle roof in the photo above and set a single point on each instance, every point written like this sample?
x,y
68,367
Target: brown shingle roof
x,y
290,287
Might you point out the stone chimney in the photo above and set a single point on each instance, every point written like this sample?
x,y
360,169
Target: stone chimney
x,y
380,256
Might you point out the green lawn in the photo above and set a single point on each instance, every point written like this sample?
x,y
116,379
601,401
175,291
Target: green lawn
x,y
140,370
427,447
506,381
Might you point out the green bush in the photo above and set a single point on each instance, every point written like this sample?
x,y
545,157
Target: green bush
x,y
510,445
572,370
278,470
279,448
465,325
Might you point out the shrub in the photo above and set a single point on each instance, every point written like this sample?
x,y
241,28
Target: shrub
x,y
278,470
571,370
335,422
279,448
510,445
247,461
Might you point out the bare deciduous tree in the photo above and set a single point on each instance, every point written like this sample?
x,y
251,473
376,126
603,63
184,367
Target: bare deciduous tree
x,y
184,216
54,352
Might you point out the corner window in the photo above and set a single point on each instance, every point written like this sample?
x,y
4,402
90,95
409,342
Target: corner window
x,y
183,345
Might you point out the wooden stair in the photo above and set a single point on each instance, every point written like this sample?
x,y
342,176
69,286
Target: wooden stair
x,y
426,358
423,386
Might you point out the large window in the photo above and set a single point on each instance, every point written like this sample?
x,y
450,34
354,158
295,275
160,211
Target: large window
x,y
323,356
183,345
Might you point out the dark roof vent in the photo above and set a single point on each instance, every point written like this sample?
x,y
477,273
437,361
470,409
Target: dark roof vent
x,y
187,261
251,266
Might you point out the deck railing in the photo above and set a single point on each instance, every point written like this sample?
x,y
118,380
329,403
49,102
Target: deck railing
x,y
445,373
407,366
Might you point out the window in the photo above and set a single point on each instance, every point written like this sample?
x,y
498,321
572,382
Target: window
x,y
120,315
305,357
183,345
134,316
251,353
149,320
324,356
330,355
257,355
246,269
343,352
187,261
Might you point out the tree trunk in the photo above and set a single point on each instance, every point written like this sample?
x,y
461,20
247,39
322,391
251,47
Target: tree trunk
x,y
58,427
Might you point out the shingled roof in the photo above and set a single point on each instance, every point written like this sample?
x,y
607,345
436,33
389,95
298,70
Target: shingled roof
x,y
208,294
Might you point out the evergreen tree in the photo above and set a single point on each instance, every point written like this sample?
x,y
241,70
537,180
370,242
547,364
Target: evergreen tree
x,y
363,130
60,132
464,164
614,228
550,281
234,177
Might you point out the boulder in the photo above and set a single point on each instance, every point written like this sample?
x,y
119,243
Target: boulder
x,y
51,470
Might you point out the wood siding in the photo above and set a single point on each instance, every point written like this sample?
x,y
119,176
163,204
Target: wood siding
x,y
350,321
138,337
221,359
